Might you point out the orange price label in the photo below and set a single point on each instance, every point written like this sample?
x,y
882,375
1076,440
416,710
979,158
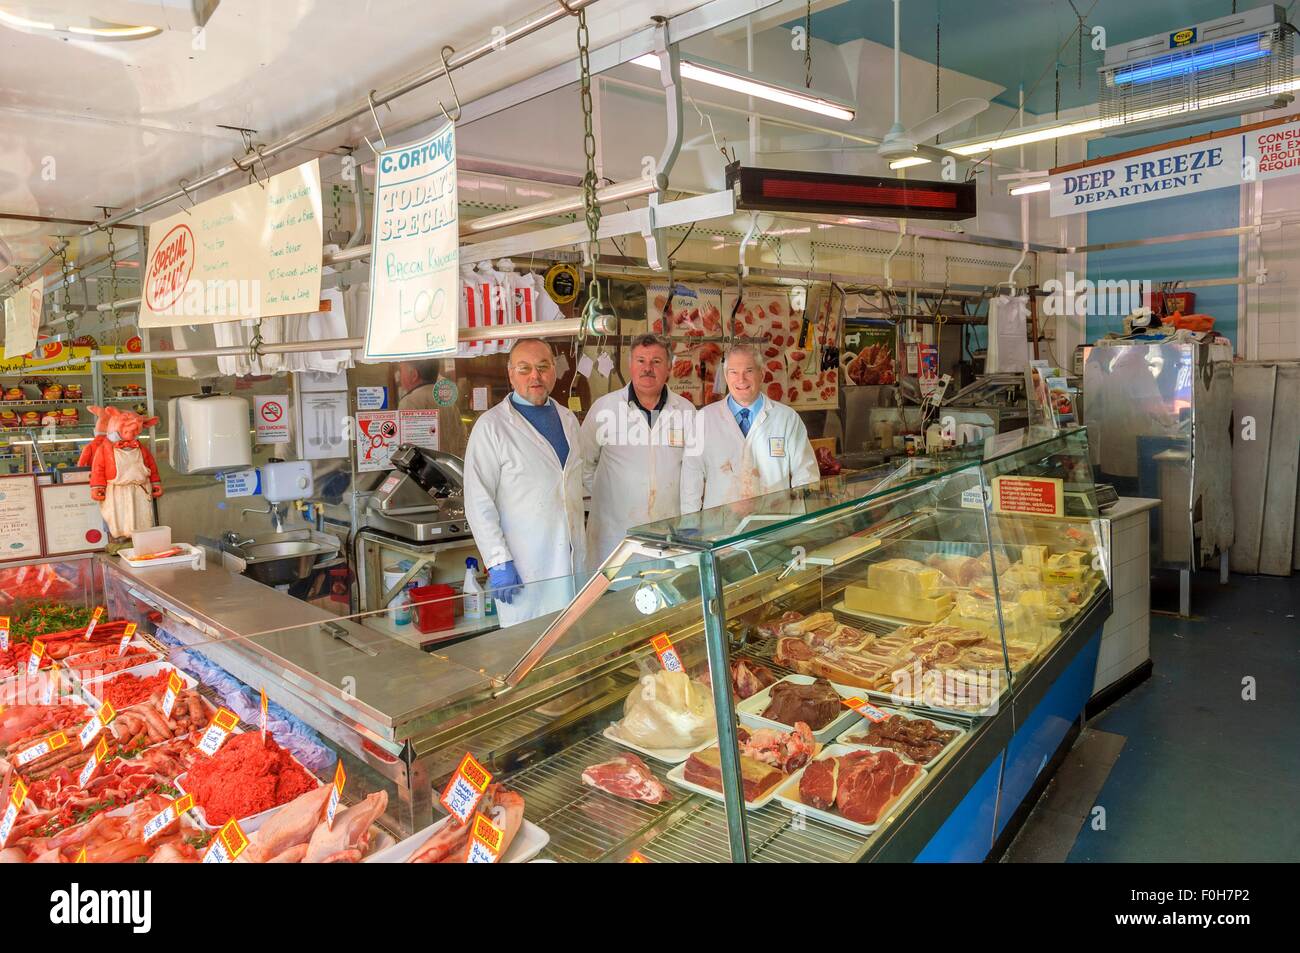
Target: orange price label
x,y
18,795
636,858
465,788
227,845
81,856
225,719
865,709
668,656
485,842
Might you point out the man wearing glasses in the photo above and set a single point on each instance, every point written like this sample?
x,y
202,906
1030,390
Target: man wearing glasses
x,y
523,491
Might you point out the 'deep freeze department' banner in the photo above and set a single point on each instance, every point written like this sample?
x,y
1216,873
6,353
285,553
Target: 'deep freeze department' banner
x,y
1180,170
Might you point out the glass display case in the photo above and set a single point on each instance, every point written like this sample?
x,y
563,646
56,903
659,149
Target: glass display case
x,y
875,667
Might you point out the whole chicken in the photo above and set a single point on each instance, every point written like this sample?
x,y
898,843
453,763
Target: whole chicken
x,y
668,710
346,842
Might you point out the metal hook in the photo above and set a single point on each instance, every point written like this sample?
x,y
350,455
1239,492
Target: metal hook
x,y
370,100
564,4
447,72
183,184
251,169
265,172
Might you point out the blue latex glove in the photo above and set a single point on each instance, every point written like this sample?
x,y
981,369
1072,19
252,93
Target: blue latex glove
x,y
504,582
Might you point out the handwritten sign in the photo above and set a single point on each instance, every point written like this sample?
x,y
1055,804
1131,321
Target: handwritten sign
x,y
164,818
465,789
4,633
52,743
174,685
668,656
96,759
34,660
94,621
866,709
218,730
17,796
97,723
485,840
263,716
127,634
227,845
415,251
336,792
251,253
52,679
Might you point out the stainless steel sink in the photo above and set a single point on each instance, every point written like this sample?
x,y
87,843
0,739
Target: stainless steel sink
x,y
285,561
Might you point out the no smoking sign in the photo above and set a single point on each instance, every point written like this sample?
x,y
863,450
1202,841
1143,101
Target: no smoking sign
x,y
270,418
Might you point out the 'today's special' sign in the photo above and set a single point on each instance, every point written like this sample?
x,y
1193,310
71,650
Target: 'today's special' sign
x,y
251,253
1262,153
415,254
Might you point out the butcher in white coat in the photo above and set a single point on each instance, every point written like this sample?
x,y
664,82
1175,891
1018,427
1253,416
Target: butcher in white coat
x,y
523,491
633,442
749,444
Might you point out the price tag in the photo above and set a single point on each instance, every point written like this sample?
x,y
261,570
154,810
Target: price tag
x,y
94,621
96,759
81,856
465,788
866,709
174,685
97,723
34,660
126,638
16,798
584,366
227,845
218,731
668,656
51,683
575,403
264,716
52,743
485,840
4,633
635,858
340,777
604,364
172,812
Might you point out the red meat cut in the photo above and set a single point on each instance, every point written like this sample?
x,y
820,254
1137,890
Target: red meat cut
x,y
627,776
817,784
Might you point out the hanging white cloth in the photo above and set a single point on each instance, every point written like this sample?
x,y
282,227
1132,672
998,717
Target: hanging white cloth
x,y
1008,346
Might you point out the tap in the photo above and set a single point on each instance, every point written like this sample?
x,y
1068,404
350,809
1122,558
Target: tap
x,y
277,512
233,539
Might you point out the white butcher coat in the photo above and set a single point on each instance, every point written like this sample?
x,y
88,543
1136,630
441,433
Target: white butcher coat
x,y
632,469
730,466
521,506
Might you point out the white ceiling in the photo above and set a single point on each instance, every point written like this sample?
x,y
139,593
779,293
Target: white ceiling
x,y
85,124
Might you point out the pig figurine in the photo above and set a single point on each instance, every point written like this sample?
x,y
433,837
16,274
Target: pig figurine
x,y
105,419
124,476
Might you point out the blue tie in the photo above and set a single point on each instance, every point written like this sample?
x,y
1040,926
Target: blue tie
x,y
744,421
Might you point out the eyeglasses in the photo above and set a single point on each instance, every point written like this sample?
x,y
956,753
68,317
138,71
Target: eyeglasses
x,y
525,370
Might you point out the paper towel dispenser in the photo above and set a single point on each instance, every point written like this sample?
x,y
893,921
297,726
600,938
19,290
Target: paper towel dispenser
x,y
208,433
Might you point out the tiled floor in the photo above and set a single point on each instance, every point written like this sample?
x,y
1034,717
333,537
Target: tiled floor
x,y
1205,775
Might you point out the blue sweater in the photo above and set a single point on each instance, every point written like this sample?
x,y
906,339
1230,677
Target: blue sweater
x,y
546,421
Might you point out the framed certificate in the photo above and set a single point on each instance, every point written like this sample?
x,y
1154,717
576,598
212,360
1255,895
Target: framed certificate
x,y
20,519
72,520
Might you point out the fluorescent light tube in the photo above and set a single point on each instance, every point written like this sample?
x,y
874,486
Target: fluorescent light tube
x,y
1221,54
724,79
1025,137
1036,187
909,162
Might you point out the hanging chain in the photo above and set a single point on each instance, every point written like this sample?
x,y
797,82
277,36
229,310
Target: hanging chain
x,y
112,292
1056,154
807,46
589,148
66,307
938,48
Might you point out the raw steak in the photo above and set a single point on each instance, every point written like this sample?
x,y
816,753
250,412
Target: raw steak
x,y
817,784
627,776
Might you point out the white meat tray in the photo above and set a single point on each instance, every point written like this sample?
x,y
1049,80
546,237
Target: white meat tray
x,y
788,794
246,824
750,709
128,557
146,670
528,843
678,776
664,755
847,737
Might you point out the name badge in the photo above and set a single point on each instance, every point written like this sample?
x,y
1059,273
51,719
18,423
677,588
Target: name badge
x,y
776,446
676,439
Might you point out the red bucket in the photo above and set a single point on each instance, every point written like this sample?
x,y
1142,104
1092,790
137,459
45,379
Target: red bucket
x,y
434,607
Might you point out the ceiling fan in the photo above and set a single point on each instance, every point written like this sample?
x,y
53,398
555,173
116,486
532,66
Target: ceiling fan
x,y
900,143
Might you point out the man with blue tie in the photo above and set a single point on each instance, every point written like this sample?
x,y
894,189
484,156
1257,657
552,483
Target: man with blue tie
x,y
748,444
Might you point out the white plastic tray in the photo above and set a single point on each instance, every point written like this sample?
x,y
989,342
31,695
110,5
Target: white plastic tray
x,y
140,671
678,776
846,737
664,755
528,843
127,556
750,709
788,794
247,824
